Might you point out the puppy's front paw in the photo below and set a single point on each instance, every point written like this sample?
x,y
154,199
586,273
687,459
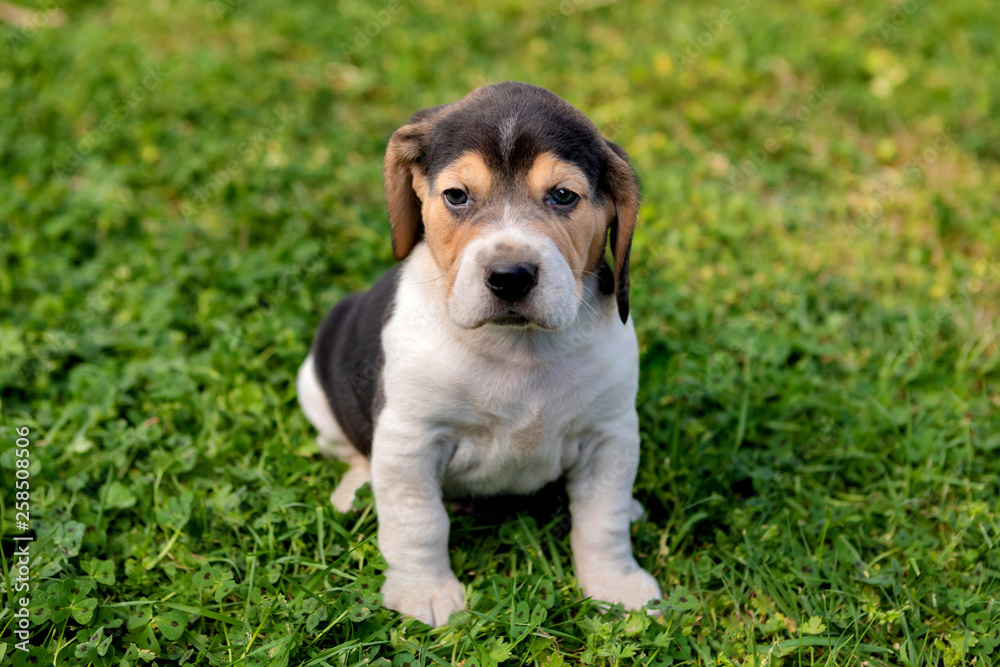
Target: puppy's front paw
x,y
426,599
633,590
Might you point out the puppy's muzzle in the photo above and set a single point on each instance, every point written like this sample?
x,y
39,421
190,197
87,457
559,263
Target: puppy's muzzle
x,y
512,282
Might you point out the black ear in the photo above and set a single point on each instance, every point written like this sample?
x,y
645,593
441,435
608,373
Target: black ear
x,y
623,186
406,148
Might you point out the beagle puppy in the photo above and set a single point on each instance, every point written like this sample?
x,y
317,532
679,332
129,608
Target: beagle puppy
x,y
499,355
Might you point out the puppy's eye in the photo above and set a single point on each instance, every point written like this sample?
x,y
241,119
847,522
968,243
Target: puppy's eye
x,y
456,197
563,197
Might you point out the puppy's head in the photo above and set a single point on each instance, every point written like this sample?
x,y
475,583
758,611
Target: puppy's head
x,y
515,192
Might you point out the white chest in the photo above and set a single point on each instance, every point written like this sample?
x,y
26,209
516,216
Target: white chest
x,y
514,435
508,411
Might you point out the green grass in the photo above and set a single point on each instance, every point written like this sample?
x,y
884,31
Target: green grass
x,y
816,287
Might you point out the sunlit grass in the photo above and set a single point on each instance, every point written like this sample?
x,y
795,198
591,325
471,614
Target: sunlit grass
x,y
186,188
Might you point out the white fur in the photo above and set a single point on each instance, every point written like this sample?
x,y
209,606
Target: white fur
x,y
496,410
331,440
507,127
553,302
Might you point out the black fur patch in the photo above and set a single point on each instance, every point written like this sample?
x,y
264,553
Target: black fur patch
x,y
347,354
605,278
544,122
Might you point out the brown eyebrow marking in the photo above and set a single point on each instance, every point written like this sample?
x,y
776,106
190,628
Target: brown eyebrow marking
x,y
468,170
549,171
580,236
446,237
579,233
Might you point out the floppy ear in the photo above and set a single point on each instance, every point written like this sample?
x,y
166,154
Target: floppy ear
x,y
405,150
623,186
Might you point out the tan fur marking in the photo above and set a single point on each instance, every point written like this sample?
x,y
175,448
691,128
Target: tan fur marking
x,y
420,185
581,238
446,237
530,432
403,207
470,172
549,171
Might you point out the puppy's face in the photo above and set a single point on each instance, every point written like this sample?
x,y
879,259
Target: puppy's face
x,y
514,191
514,248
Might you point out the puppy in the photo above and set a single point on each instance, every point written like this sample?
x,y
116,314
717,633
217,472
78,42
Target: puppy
x,y
499,355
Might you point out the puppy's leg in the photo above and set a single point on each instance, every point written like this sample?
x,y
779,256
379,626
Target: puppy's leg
x,y
331,440
635,511
412,523
355,477
600,494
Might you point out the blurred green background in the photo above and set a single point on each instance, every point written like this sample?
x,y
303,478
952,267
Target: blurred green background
x,y
186,187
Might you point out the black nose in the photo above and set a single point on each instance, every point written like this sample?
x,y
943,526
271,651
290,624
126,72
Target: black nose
x,y
511,283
